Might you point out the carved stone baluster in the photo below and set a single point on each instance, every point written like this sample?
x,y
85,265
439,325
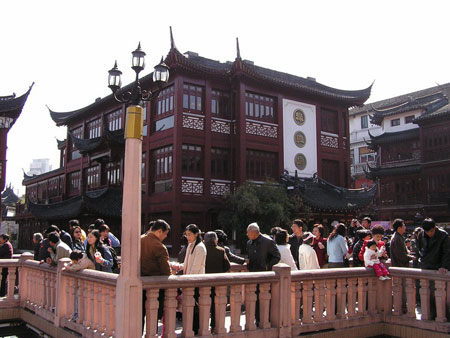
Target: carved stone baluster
x,y
95,307
151,313
30,287
111,309
45,285
170,309
53,291
187,305
296,296
44,303
81,302
104,307
351,297
307,301
204,304
70,295
440,301
34,288
362,296
425,298
319,298
235,307
331,299
221,307
387,291
411,297
11,282
87,305
341,298
397,289
372,291
250,302
264,305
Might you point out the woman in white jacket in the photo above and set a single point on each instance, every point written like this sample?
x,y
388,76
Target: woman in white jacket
x,y
194,262
282,238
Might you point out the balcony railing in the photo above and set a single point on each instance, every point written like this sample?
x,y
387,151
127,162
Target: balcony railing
x,y
290,303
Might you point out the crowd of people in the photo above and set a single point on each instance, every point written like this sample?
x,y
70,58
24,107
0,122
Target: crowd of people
x,y
358,244
94,250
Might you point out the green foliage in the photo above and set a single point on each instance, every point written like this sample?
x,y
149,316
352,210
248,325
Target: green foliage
x,y
269,205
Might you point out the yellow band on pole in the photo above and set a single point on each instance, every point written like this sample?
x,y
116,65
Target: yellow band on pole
x,y
134,122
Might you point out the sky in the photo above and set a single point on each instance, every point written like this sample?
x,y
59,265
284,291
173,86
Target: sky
x,y
67,47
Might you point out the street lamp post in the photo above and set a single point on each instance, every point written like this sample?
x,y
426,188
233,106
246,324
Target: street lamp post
x,y
129,285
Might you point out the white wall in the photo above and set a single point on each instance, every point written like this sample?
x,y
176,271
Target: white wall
x,y
309,129
403,126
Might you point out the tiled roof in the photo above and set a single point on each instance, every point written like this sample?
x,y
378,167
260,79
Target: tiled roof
x,y
321,195
192,62
108,138
433,102
103,203
392,137
374,172
11,106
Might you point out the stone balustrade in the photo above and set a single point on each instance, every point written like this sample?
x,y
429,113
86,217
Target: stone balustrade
x,y
288,303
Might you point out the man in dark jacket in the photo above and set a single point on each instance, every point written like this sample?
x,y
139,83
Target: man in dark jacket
x,y
263,254
6,252
433,245
37,241
262,250
399,253
295,240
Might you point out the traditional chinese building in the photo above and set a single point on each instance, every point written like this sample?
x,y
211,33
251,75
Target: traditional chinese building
x,y
213,127
10,110
413,155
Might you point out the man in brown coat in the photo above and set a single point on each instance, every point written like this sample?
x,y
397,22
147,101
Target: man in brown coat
x,y
155,259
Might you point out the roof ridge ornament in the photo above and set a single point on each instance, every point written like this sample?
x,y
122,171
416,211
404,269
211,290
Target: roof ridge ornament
x,y
172,41
238,50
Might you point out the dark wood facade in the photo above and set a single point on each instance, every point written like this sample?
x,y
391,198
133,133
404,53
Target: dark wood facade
x,y
413,172
213,127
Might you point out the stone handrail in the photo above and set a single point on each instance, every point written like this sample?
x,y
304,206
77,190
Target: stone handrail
x,y
88,302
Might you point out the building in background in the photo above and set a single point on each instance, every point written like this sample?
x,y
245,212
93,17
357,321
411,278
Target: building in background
x,y
212,128
10,110
412,167
8,224
361,127
39,166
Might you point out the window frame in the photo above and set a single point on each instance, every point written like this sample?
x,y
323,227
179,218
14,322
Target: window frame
x,y
395,122
260,107
193,98
192,160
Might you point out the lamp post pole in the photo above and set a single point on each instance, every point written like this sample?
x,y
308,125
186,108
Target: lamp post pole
x,y
128,309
